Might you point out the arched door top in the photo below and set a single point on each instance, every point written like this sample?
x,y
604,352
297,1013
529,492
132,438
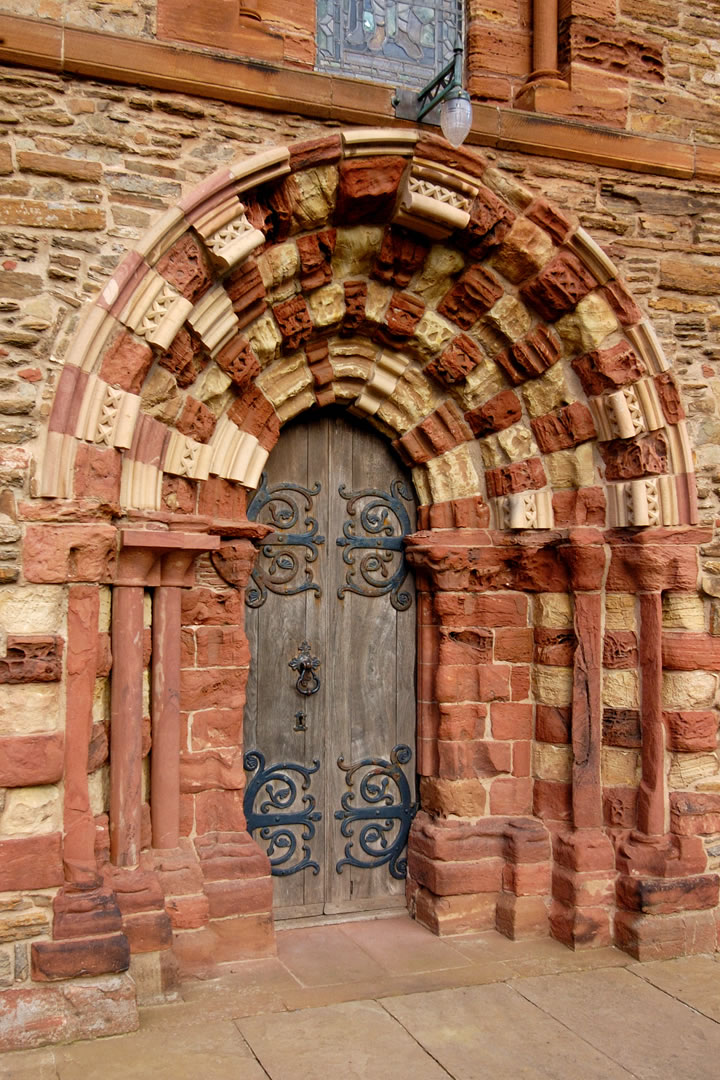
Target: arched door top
x,y
463,315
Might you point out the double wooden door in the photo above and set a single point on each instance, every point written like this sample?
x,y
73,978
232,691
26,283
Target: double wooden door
x,y
329,725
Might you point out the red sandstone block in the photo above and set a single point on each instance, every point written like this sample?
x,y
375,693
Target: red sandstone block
x,y
222,499
148,931
97,474
559,286
555,648
608,369
32,862
690,652
693,813
652,567
245,897
55,960
511,795
27,760
208,607
466,721
213,688
620,649
219,810
461,647
520,682
514,645
85,913
495,415
188,912
527,879
629,459
54,554
499,609
400,257
521,758
584,507
670,400
457,361
511,720
136,890
548,218
583,889
692,731
552,724
217,768
622,303
580,927
521,916
494,682
651,937
456,682
552,800
620,807
662,896
126,363
455,878
222,646
367,188
564,428
471,296
215,728
521,476
473,758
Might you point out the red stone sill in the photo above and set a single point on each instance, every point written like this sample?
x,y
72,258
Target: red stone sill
x,y
163,66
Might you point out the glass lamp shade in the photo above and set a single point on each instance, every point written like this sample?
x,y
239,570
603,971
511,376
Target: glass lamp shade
x,y
456,117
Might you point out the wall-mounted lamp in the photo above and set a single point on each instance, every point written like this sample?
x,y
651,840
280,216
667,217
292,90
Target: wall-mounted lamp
x,y
445,90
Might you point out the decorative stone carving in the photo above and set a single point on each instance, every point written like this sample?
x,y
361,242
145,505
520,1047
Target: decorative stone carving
x,y
651,501
559,286
588,325
524,510
531,356
648,347
186,267
402,254
381,384
213,320
457,360
435,200
496,414
592,256
186,457
294,320
155,311
237,455
608,369
107,416
474,293
326,306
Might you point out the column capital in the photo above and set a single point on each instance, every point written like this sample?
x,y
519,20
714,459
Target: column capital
x,y
150,557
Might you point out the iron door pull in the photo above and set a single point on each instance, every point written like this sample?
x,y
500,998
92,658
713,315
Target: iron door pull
x,y
306,665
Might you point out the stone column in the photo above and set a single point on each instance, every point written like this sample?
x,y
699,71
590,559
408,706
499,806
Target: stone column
x,y
540,90
584,861
665,897
126,709
165,760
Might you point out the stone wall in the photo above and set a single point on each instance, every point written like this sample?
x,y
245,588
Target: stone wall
x,y
645,66
86,169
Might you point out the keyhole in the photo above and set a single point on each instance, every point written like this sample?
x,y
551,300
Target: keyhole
x,y
300,719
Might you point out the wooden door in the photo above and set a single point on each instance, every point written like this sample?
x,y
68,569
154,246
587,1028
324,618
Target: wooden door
x,y
332,782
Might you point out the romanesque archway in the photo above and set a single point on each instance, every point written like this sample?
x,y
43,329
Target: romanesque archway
x,y
492,341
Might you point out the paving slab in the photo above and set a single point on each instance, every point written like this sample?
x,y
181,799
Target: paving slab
x,y
693,979
493,1033
323,955
354,1041
643,1029
214,1051
28,1065
402,947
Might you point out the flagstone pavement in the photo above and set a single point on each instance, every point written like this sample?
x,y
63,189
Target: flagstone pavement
x,y
385,999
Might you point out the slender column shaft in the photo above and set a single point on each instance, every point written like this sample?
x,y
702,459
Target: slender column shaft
x,y
651,800
82,650
126,711
587,712
545,35
165,758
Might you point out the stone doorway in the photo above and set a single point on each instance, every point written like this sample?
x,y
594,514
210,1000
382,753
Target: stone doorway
x,y
330,716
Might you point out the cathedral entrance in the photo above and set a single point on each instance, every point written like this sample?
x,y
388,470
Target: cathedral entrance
x,y
330,715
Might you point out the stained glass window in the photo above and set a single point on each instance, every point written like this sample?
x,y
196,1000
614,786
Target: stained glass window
x,y
386,40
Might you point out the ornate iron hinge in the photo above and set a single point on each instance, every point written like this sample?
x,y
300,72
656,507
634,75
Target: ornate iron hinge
x,y
287,553
276,810
388,813
385,522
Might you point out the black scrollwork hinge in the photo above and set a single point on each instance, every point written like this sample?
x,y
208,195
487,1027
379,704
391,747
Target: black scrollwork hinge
x,y
385,521
275,808
279,568
388,812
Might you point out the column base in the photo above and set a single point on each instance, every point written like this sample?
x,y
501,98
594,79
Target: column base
x,y
583,889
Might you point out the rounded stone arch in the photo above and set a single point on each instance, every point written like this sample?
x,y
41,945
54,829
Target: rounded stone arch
x,y
485,334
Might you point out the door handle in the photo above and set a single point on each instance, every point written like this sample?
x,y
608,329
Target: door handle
x,y
306,665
